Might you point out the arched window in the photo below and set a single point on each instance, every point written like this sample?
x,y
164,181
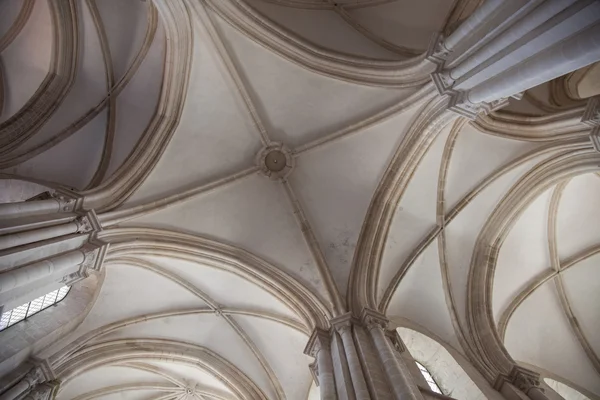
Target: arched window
x,y
430,381
25,311
566,392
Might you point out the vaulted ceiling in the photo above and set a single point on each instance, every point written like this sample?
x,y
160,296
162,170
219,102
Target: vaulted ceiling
x,y
318,77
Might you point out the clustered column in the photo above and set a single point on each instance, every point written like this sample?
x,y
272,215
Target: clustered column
x,y
369,366
36,250
397,374
507,47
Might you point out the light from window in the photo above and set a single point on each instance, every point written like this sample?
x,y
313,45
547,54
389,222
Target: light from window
x,y
18,314
430,381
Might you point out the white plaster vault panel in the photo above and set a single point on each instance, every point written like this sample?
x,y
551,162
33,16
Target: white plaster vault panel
x,y
534,331
27,60
325,28
405,22
299,105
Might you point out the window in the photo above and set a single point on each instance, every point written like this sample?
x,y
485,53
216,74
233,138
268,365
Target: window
x,y
432,384
25,311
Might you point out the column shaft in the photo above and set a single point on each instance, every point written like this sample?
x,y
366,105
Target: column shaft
x,y
402,386
18,209
15,391
326,379
475,21
569,55
21,276
526,24
36,235
358,379
32,378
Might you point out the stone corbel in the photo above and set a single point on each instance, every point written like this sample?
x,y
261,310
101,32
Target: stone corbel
x,y
591,118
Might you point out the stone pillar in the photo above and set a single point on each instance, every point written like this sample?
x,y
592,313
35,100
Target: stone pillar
x,y
398,376
47,203
29,381
540,41
18,277
537,17
343,325
22,208
25,271
319,346
473,23
562,58
37,235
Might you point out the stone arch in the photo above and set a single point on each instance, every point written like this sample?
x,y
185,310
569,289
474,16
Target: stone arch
x,y
132,241
495,358
452,371
157,350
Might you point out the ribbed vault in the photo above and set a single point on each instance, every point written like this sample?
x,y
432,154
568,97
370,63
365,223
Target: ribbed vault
x,y
163,115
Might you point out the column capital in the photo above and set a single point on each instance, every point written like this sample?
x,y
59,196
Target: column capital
x,y
591,115
522,378
66,202
373,319
437,52
34,376
460,104
591,118
344,322
320,339
43,391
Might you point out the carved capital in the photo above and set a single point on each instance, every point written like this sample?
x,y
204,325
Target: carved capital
x,y
595,138
442,81
460,104
343,323
591,115
35,376
43,391
373,319
319,340
66,204
84,225
437,51
524,379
